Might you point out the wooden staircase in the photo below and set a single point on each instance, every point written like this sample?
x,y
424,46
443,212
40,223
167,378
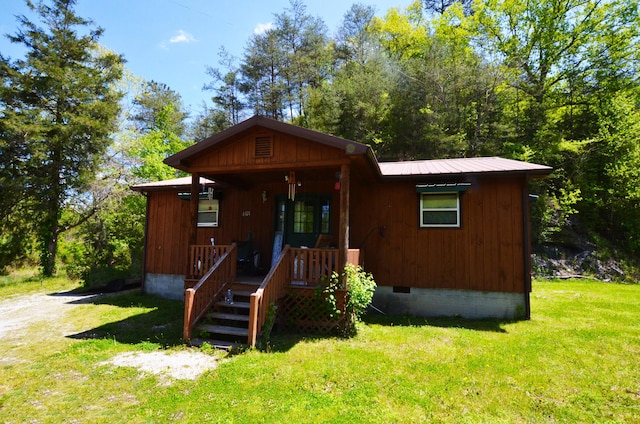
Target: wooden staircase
x,y
226,325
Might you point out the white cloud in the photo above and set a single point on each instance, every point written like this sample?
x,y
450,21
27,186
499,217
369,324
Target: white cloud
x,y
262,28
182,37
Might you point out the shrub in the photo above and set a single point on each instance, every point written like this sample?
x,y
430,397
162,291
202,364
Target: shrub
x,y
360,289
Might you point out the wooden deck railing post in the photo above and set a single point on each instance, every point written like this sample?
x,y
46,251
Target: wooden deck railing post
x,y
254,308
189,297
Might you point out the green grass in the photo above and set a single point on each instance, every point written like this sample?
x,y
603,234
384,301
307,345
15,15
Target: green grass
x,y
576,360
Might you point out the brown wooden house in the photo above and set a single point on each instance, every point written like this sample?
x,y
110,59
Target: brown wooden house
x,y
289,205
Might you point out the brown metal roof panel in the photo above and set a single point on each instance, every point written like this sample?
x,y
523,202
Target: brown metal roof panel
x,y
460,166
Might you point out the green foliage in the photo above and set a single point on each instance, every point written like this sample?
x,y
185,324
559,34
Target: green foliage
x,y
107,246
59,105
360,289
264,342
152,148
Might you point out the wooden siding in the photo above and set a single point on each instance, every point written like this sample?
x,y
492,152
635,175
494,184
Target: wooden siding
x,y
167,233
242,212
485,253
238,153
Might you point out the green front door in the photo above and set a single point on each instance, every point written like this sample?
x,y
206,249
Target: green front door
x,y
302,220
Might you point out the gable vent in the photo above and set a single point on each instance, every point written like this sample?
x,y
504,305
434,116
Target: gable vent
x,y
264,148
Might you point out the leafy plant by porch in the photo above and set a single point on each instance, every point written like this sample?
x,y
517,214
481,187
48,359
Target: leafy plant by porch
x,y
575,361
360,288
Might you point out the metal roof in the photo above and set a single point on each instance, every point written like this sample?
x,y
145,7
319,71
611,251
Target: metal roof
x,y
460,166
176,183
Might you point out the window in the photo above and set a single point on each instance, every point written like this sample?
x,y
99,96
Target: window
x,y
208,211
303,212
440,210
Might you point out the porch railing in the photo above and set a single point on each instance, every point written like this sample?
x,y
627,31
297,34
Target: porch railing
x,y
210,287
295,266
309,267
273,287
203,257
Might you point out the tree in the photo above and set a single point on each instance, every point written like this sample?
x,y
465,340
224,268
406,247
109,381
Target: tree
x,y
60,101
353,41
14,228
157,144
226,86
281,64
208,122
303,40
555,50
151,101
441,6
261,80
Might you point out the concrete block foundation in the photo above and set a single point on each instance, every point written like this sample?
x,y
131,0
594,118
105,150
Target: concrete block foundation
x,y
441,302
165,285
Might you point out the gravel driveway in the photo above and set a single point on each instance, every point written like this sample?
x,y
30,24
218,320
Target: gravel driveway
x,y
47,310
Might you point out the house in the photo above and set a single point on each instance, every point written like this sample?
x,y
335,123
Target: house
x,y
441,237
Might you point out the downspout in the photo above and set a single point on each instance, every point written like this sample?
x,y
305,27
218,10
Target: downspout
x,y
526,249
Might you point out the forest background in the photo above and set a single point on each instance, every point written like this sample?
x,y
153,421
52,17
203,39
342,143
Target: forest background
x,y
547,81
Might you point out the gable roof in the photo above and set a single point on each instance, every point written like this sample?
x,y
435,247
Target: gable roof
x,y
460,166
349,146
383,170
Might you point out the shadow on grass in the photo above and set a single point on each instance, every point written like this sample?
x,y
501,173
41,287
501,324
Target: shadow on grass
x,y
282,340
488,324
161,325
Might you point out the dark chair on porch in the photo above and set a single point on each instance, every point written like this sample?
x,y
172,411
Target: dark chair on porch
x,y
246,257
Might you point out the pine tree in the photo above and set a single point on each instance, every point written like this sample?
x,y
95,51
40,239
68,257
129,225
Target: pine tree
x,y
60,102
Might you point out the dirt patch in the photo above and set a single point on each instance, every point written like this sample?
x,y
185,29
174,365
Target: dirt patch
x,y
18,312
183,365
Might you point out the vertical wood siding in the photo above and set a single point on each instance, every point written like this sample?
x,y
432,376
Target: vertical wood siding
x,y
239,151
485,253
168,228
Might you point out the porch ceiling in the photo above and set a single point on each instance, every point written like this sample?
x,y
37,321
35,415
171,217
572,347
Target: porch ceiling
x,y
247,179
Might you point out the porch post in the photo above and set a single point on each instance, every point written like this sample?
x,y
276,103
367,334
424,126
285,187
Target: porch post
x,y
343,239
193,208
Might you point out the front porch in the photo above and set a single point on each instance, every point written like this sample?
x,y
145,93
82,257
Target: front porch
x,y
288,290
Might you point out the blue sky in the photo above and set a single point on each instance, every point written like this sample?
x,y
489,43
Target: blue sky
x,y
172,41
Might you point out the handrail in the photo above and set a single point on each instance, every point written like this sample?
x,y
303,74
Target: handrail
x,y
198,299
270,291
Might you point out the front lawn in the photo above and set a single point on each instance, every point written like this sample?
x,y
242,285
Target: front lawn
x,y
576,360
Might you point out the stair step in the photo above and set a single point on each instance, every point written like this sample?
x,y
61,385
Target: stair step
x,y
243,305
216,344
228,317
241,293
223,329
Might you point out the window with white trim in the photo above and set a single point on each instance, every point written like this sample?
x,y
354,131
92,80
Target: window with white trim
x,y
208,212
440,209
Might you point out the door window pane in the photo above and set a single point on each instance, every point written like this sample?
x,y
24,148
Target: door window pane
x,y
303,217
